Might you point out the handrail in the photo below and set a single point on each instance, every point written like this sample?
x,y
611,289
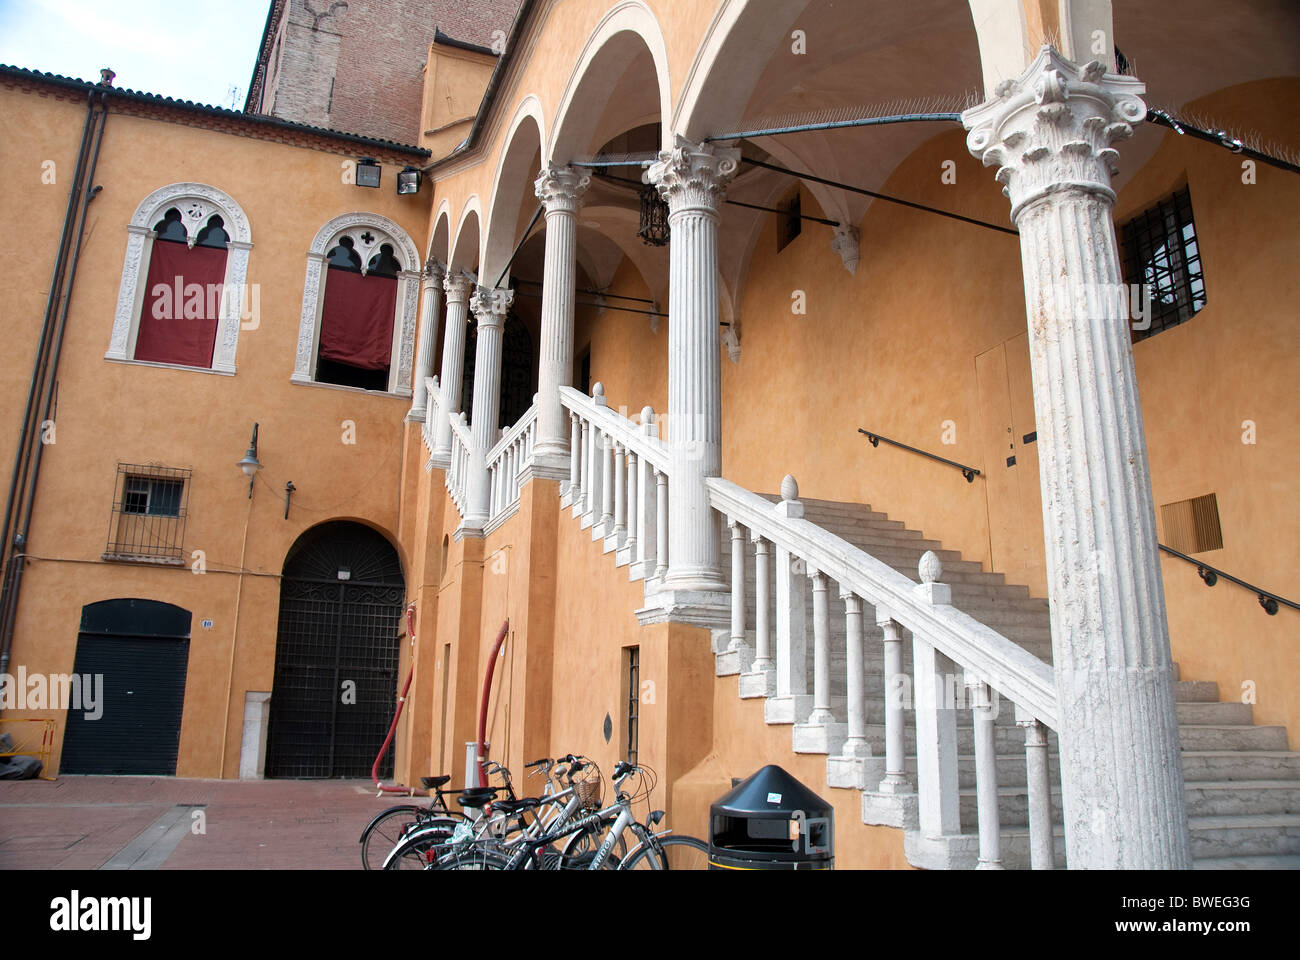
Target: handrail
x,y
1010,669
1269,601
970,473
512,434
650,448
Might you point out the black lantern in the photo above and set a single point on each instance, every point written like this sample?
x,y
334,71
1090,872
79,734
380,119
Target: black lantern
x,y
368,172
408,181
654,217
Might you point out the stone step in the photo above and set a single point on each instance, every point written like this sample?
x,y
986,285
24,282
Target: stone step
x,y
1238,765
1235,798
1220,713
1261,862
1196,691
1263,834
1207,736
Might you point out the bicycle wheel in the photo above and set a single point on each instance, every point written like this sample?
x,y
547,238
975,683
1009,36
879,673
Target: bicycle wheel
x,y
678,852
421,845
475,858
385,832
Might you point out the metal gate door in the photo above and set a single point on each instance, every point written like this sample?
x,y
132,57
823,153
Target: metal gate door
x,y
336,654
141,649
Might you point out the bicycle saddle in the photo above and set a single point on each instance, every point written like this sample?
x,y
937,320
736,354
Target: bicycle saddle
x,y
476,796
433,783
512,807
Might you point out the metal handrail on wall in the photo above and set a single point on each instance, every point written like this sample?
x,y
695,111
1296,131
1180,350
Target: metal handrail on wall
x,y
970,473
1269,601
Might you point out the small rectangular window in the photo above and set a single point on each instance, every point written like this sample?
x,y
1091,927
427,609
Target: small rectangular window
x,y
632,712
1160,252
1192,526
149,514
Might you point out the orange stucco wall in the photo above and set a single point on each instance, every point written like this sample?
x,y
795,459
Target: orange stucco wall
x,y
111,412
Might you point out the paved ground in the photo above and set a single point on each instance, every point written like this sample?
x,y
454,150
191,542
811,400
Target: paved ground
x,y
90,823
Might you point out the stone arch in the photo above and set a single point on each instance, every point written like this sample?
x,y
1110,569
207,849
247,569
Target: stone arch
x,y
465,249
513,186
627,29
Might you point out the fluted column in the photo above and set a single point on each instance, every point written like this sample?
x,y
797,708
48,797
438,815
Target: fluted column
x,y
560,189
1050,133
431,300
458,288
692,180
489,305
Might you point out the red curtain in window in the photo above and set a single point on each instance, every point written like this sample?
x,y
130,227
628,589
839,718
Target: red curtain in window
x,y
182,298
356,325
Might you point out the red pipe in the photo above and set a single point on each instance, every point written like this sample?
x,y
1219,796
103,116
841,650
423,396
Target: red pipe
x,y
483,703
401,702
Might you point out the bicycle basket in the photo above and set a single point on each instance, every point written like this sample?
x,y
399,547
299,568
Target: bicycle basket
x,y
589,786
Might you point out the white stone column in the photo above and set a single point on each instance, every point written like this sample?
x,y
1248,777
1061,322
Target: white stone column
x,y
431,293
692,179
458,287
560,189
490,305
1050,133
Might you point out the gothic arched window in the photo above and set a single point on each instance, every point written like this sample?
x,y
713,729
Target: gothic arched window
x,y
182,296
358,310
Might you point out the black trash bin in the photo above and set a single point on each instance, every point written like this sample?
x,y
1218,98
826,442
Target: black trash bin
x,y
771,822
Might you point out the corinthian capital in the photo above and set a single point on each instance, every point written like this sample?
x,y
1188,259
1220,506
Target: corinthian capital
x,y
458,286
693,174
434,273
1053,128
561,188
490,305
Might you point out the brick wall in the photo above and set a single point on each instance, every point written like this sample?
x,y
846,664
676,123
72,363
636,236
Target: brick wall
x,y
373,52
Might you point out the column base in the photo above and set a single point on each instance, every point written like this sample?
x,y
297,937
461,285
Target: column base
x,y
792,708
854,773
415,415
697,608
820,736
757,682
899,810
471,528
440,460
542,466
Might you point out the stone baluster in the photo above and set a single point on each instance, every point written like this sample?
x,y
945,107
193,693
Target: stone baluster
x,y
661,522
821,712
738,644
574,490
855,743
619,531
895,781
1042,855
984,711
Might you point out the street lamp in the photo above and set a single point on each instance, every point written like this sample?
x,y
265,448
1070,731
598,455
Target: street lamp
x,y
250,464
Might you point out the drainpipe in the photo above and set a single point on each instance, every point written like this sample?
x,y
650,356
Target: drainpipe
x,y
40,397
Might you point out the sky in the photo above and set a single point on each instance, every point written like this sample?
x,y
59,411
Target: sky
x,y
177,48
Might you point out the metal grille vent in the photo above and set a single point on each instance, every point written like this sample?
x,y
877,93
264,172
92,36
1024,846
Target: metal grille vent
x,y
1192,526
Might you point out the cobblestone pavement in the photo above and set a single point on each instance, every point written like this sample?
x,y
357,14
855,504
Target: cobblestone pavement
x,y
83,823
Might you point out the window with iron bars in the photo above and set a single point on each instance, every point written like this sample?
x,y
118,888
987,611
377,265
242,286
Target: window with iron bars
x,y
149,513
1161,253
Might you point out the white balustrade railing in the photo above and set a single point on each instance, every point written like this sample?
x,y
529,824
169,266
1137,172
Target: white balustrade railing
x,y
808,560
505,460
462,462
618,480
433,415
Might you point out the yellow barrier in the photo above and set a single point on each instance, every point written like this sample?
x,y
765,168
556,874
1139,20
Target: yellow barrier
x,y
25,740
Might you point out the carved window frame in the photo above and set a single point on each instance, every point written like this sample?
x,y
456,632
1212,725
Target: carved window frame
x,y
368,232
197,203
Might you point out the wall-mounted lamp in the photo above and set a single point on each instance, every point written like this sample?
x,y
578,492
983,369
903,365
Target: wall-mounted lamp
x,y
408,181
289,488
368,172
250,464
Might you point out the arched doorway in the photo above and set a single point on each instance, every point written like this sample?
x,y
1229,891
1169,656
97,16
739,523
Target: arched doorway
x,y
128,721
336,654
